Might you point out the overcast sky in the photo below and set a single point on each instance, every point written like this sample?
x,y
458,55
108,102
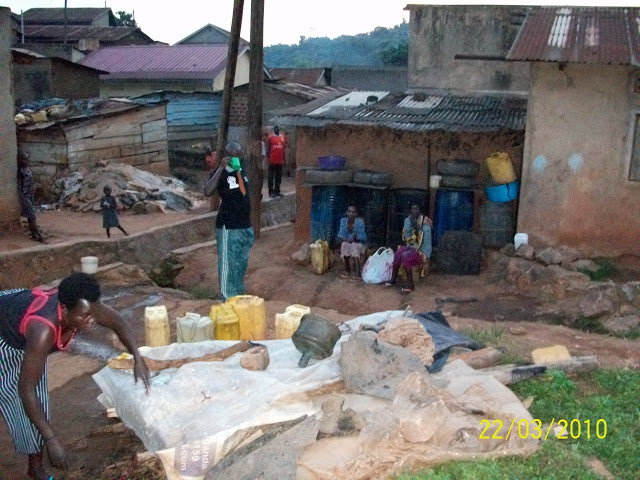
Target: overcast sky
x,y
285,20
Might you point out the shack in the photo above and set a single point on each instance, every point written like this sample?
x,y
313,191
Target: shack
x,y
36,77
581,173
96,130
404,135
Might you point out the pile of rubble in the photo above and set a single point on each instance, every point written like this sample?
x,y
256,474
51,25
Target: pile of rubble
x,y
559,276
135,189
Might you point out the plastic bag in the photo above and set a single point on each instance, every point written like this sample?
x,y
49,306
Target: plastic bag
x,y
379,266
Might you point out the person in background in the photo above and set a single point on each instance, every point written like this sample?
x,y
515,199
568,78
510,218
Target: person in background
x,y
234,232
211,161
26,191
275,150
353,236
33,324
110,212
416,252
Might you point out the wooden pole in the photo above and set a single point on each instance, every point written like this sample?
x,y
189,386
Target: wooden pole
x,y
229,82
256,76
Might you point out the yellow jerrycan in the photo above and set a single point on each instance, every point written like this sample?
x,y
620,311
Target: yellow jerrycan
x,y
319,256
252,316
501,168
289,321
225,320
157,332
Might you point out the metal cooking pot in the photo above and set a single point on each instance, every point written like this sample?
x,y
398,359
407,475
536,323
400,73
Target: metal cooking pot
x,y
315,338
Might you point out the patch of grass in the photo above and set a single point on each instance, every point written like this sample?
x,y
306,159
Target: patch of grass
x,y
591,325
510,358
604,273
202,293
554,460
611,395
632,335
488,337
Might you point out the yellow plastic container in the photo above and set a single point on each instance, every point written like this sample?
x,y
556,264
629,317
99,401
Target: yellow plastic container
x,y
319,256
289,321
156,326
501,168
252,316
225,320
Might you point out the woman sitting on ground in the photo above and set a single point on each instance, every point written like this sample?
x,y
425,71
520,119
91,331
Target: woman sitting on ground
x,y
416,252
33,324
353,237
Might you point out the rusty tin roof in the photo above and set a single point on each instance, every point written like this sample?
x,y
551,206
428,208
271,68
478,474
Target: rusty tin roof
x,y
579,35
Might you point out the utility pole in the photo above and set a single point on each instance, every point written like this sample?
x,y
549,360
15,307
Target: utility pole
x,y
22,24
65,22
229,82
256,77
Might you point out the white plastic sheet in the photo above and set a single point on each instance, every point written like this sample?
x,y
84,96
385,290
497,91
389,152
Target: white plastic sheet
x,y
211,407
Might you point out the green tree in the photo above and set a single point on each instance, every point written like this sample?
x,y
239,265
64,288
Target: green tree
x,y
396,56
124,19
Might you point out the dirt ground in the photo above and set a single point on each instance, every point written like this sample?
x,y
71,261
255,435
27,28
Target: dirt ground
x,y
96,442
62,225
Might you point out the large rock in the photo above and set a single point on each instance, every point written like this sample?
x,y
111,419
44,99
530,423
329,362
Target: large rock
x,y
410,334
601,299
124,276
622,325
630,293
564,282
525,274
509,250
498,264
256,358
526,251
375,367
569,255
585,266
550,256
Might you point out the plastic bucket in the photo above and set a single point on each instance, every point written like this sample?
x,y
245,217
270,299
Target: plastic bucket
x,y
434,181
503,193
89,265
520,239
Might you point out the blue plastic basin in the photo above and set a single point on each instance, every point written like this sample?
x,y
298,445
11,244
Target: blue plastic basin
x,y
503,193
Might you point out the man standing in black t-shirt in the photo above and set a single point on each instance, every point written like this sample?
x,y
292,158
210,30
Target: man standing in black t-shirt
x,y
234,232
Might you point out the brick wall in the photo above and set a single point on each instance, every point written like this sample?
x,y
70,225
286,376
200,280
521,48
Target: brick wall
x,y
239,107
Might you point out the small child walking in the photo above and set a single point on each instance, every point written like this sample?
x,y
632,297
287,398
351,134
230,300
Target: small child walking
x,y
109,212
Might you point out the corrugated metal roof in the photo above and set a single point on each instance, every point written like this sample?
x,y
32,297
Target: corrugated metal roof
x,y
579,35
191,62
56,32
352,99
304,91
430,102
305,76
450,113
77,16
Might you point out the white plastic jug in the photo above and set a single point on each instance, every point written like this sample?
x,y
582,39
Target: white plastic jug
x,y
194,328
521,239
89,265
289,321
